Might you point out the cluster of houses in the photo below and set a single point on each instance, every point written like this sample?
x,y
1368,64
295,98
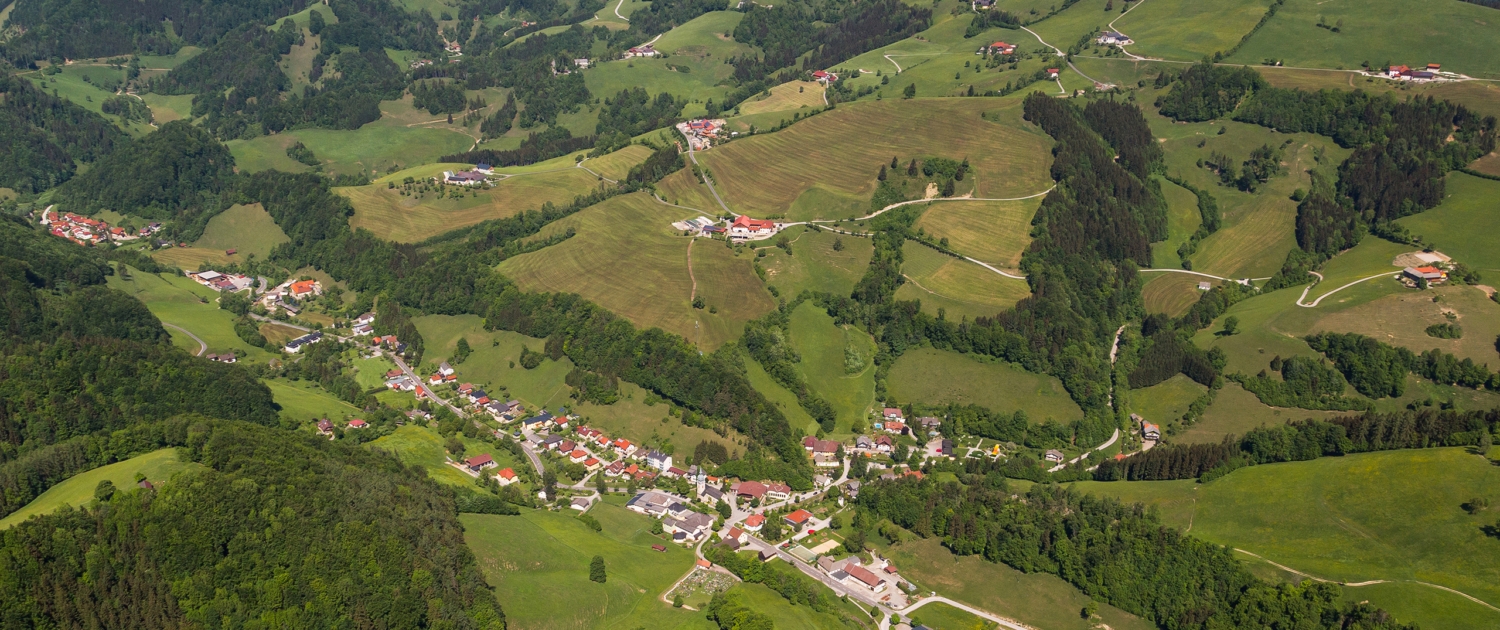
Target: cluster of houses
x,y
477,464
702,133
684,525
1112,38
474,177
1433,72
221,281
288,295
363,325
644,50
454,49
85,231
701,226
851,572
227,357
294,346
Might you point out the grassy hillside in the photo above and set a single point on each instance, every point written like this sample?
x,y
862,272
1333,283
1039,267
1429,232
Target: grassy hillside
x,y
1171,293
302,401
180,301
1183,218
248,229
1166,400
78,491
1380,516
959,287
493,365
81,83
789,95
627,258
814,264
842,151
996,232
1459,35
1235,412
941,376
1401,319
1188,31
1464,225
693,69
397,140
822,346
389,215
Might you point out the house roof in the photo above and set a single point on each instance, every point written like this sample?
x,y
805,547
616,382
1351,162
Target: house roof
x,y
507,473
357,423
755,520
304,286
799,517
578,454
748,223
862,574
590,462
735,532
750,489
480,460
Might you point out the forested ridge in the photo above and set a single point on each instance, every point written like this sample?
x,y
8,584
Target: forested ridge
x,y
72,29
41,136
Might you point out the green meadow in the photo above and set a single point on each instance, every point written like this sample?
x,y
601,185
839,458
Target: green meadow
x,y
822,346
78,490
996,232
494,364
820,261
956,288
421,446
1393,516
1235,412
178,300
932,376
1465,224
1184,30
248,229
1166,400
303,401
80,83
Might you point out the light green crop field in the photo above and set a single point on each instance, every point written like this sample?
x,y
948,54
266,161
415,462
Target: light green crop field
x,y
631,418
1166,400
1459,35
494,364
1402,318
1236,411
376,146
996,232
933,376
1392,515
959,287
178,300
1171,293
618,164
389,215
1183,219
814,263
1040,600
822,346
641,271
784,400
843,150
1188,31
78,490
1372,256
1465,224
303,400
789,95
248,229
421,446
533,559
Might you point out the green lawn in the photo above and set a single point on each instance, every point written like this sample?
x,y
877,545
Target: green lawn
x,y
421,446
303,400
932,376
1401,319
1459,35
955,288
815,264
784,400
248,229
821,345
1171,293
1186,30
1166,400
176,299
940,616
77,491
80,83
390,215
1465,224
1381,516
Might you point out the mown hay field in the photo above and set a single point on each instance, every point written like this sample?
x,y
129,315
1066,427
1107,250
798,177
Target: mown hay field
x,y
959,287
1170,292
843,150
933,376
1188,30
389,215
996,232
247,229
789,95
820,261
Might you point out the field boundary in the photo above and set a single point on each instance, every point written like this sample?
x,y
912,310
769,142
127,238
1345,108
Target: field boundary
x,y
1320,281
1367,582
202,346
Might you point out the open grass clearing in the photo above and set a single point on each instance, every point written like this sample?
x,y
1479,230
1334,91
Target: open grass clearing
x,y
842,151
1459,35
375,147
618,164
180,301
784,400
815,264
1185,30
80,83
303,400
1183,218
789,95
1489,164
165,109
191,258
391,216
823,346
78,490
1171,293
1465,224
1401,319
1235,412
954,287
996,232
631,418
933,376
1165,401
247,229
1392,515
941,62
421,446
641,272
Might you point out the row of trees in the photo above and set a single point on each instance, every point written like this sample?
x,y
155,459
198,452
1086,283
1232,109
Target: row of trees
x,y
1377,369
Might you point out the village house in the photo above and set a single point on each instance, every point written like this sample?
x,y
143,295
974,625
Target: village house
x,y
777,491
849,572
294,346
624,447
1432,275
650,503
737,536
822,76
592,464
864,443
552,443
305,288
658,460
826,460
688,528
463,178
852,489
358,424
1111,38
325,427
674,473
615,469
749,490
711,494
884,443
506,476
946,448
746,227
754,522
1054,455
983,5
581,504
797,519
998,48
646,50
1052,73
1150,431
481,462
895,426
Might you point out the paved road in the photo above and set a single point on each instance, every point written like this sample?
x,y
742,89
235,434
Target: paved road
x,y
1198,273
1004,623
1325,295
202,347
706,178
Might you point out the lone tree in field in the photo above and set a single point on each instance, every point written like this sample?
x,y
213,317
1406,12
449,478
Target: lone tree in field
x,y
596,569
1231,325
910,91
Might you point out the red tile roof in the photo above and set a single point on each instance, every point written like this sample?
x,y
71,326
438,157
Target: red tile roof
x,y
799,517
480,460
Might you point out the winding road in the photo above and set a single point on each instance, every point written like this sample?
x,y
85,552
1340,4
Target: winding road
x,y
202,346
1367,582
885,623
1198,273
1309,287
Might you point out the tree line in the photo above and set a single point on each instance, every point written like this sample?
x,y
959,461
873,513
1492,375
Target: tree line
x,y
1377,369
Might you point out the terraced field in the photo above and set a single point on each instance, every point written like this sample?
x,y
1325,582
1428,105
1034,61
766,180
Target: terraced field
x,y
842,150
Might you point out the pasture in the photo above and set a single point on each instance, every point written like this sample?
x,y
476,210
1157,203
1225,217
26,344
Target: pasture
x,y
932,376
190,258
814,263
1183,218
618,164
842,151
822,346
996,232
1188,31
1236,411
642,272
421,446
392,216
1392,515
180,301
941,62
302,401
1165,402
784,400
78,490
956,288
1401,319
1459,35
1489,164
1040,600
375,147
1465,224
88,85
940,616
1171,293
494,364
789,95
248,229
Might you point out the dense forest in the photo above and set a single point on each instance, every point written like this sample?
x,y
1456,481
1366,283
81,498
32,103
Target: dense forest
x,y
73,29
1378,370
1115,553
41,136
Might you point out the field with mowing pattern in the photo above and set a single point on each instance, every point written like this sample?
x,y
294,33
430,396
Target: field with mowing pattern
x,y
1393,515
1489,164
617,165
1188,31
940,616
190,258
959,287
842,151
933,376
996,232
814,264
78,490
1235,412
1465,224
822,346
626,257
1171,293
694,67
789,95
1401,319
248,229
1459,35
390,215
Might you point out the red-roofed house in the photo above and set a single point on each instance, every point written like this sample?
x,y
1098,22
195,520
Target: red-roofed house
x,y
745,227
578,455
749,489
506,476
1396,71
481,462
1052,73
737,535
754,522
824,77
777,491
860,576
592,463
798,518
303,288
1002,48
1431,274
358,424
